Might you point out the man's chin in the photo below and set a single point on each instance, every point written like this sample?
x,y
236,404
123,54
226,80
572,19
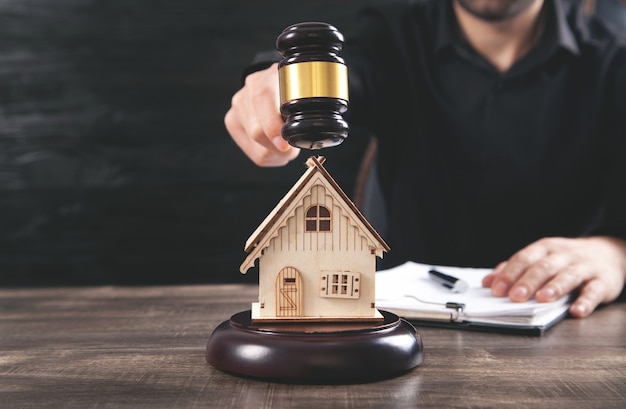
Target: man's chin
x,y
495,10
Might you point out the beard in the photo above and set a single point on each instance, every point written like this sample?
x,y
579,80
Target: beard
x,y
495,10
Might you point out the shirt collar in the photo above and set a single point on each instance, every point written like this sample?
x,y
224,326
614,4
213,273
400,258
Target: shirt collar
x,y
565,37
448,33
447,29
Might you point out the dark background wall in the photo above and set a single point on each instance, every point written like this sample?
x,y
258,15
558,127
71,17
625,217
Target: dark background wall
x,y
115,166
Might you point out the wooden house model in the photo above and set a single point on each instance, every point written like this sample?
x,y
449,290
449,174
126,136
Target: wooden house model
x,y
317,255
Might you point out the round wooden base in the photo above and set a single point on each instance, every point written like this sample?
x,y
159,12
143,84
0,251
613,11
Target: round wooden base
x,y
315,352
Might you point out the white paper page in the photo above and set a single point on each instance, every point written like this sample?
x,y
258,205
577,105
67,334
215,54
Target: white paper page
x,y
397,287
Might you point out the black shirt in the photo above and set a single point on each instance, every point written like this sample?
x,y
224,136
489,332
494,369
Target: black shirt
x,y
476,164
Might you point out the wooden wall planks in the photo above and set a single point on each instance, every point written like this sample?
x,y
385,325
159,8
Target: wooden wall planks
x,y
115,166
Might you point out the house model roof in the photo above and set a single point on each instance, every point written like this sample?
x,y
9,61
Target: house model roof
x,y
315,172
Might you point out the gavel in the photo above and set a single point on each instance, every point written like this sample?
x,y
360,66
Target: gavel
x,y
313,82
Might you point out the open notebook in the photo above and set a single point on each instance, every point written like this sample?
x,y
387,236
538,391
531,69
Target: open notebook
x,y
407,291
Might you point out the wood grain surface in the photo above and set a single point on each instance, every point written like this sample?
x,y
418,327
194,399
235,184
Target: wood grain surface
x,y
143,347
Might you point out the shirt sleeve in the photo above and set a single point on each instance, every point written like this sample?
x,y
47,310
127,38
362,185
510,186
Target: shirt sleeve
x,y
261,61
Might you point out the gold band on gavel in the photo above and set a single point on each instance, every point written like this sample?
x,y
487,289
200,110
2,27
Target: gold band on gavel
x,y
313,79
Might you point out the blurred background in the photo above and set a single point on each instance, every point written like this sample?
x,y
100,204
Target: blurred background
x,y
115,166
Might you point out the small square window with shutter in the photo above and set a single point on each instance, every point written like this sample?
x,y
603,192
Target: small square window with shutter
x,y
343,284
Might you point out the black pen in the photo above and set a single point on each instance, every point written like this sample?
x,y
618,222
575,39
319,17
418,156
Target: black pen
x,y
456,285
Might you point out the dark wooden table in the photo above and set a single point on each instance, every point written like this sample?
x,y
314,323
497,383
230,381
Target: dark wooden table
x,y
112,347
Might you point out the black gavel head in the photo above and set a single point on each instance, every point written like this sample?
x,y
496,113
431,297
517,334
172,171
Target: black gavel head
x,y
313,81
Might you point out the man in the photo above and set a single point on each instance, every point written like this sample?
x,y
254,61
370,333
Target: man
x,y
501,137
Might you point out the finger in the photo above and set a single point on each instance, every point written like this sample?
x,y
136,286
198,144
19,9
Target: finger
x,y
537,275
260,154
563,283
590,297
264,101
516,266
243,121
268,119
239,134
488,279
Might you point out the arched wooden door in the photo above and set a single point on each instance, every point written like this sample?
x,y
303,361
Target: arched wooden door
x,y
289,293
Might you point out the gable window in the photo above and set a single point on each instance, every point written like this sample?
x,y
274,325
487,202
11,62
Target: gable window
x,y
317,218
